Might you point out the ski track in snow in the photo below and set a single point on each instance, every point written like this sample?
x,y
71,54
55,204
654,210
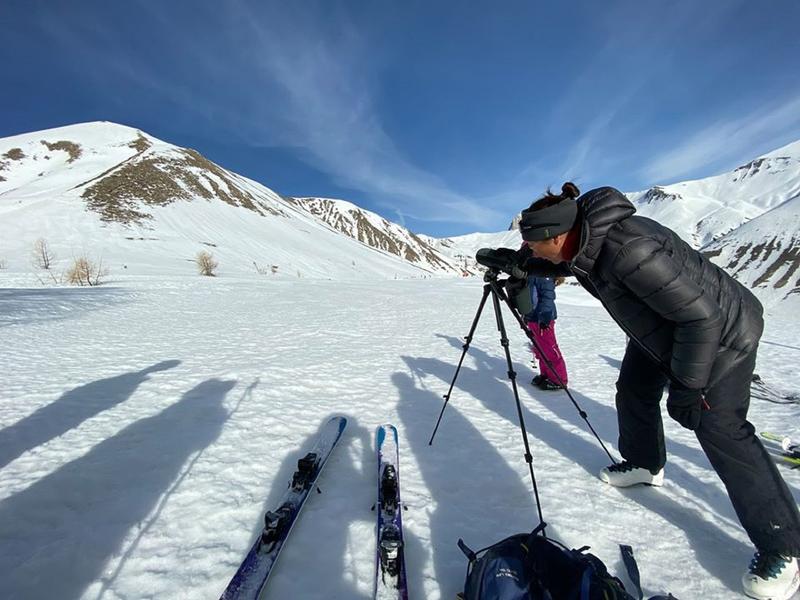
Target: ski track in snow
x,y
147,425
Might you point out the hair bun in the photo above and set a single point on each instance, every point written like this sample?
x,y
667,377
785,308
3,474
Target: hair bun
x,y
570,190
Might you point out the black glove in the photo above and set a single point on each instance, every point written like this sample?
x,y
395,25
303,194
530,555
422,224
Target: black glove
x,y
545,319
685,405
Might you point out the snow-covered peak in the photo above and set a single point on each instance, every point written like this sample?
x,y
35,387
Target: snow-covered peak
x,y
146,205
378,232
703,210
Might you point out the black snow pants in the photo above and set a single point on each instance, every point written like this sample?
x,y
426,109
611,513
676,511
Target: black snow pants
x,y
760,497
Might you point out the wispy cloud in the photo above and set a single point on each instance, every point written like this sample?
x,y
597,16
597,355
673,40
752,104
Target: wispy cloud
x,y
328,109
604,117
727,142
283,76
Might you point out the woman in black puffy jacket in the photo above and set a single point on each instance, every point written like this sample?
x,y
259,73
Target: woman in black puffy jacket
x,y
694,330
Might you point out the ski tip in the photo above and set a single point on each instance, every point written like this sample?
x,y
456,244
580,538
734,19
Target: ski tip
x,y
382,430
342,421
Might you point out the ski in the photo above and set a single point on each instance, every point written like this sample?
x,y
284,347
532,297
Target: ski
x,y
252,575
761,390
792,460
390,567
790,450
788,445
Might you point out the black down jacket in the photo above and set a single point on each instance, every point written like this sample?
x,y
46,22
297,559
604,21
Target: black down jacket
x,y
687,313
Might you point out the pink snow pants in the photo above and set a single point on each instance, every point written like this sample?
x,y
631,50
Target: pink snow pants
x,y
546,340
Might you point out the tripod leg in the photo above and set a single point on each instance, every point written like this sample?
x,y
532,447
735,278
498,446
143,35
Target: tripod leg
x,y
498,292
467,342
512,375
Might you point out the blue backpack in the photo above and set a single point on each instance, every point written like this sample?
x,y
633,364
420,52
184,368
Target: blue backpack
x,y
530,566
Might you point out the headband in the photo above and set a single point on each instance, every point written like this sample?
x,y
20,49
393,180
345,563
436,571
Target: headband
x,y
548,222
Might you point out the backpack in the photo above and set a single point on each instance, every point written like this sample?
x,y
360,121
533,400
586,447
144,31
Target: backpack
x,y
530,566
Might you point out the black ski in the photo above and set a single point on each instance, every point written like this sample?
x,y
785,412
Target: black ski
x,y
761,390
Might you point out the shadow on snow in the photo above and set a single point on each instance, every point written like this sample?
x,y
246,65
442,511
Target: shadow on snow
x,y
714,549
57,535
461,504
19,306
71,409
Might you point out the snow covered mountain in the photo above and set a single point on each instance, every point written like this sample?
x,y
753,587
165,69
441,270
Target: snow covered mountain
x,y
764,253
378,232
704,210
147,206
745,220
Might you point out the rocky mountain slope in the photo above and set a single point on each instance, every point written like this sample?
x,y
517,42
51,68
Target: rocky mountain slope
x,y
143,204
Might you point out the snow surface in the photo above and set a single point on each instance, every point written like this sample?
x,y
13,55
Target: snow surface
x,y
147,425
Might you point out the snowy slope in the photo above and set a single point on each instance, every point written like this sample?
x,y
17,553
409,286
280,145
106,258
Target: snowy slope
x,y
705,209
764,253
377,232
746,221
462,248
146,426
145,206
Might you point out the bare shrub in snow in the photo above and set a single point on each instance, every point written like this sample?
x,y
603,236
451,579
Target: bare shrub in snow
x,y
3,264
274,269
14,154
84,271
206,263
43,257
71,148
261,270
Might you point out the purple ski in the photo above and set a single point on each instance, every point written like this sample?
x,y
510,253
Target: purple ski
x,y
250,579
390,566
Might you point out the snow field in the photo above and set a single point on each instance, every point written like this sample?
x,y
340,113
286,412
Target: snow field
x,y
147,425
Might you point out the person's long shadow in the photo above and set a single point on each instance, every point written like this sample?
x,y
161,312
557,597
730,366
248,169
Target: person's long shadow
x,y
71,409
714,549
467,479
604,419
57,535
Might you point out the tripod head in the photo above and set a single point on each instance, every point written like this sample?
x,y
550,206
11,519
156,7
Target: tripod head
x,y
491,274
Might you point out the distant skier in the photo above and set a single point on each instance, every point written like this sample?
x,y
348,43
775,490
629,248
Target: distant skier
x,y
691,327
542,323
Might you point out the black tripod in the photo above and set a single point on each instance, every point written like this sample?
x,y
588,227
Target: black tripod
x,y
495,288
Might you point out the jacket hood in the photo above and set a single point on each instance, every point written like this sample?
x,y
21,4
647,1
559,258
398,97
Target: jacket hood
x,y
598,211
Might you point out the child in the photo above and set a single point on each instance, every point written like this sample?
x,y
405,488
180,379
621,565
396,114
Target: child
x,y
542,323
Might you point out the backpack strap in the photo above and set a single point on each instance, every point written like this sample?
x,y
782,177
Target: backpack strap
x,y
586,581
471,556
632,568
538,531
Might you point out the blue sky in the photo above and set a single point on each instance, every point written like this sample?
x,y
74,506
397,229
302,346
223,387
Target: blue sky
x,y
447,117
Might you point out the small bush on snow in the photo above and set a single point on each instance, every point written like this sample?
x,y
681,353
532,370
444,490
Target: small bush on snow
x,y
206,263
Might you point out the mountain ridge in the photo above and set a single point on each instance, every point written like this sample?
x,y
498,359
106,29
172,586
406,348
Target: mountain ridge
x,y
137,187
129,181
